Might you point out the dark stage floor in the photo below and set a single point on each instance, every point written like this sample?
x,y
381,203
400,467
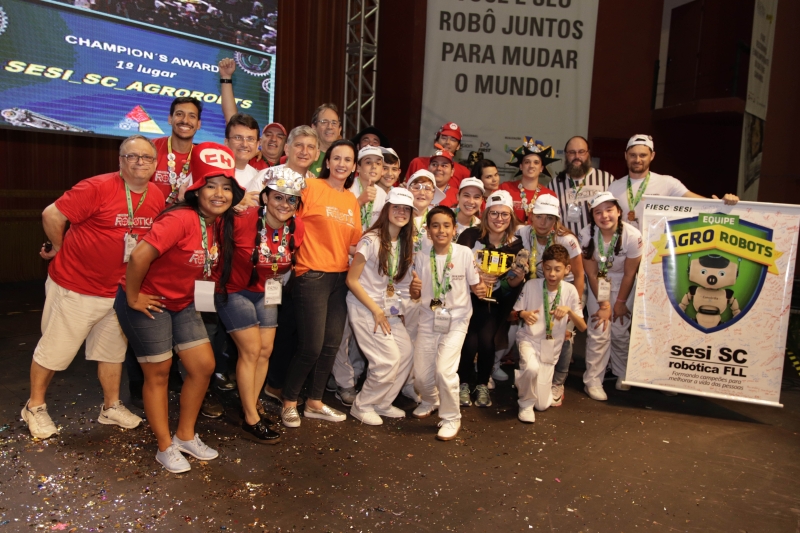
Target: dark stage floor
x,y
639,462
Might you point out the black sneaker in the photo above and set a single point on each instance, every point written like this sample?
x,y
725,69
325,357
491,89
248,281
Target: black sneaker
x,y
260,433
135,388
223,382
212,407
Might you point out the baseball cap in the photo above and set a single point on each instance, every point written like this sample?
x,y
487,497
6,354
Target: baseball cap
x,y
438,195
443,153
471,182
451,129
640,138
274,125
601,197
386,151
210,160
500,198
370,150
400,196
546,204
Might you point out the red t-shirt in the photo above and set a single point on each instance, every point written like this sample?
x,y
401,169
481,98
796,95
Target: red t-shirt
x,y
513,188
244,238
450,195
419,163
161,175
259,163
177,237
90,259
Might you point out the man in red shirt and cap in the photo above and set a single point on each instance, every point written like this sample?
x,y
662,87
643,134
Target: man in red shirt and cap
x,y
448,138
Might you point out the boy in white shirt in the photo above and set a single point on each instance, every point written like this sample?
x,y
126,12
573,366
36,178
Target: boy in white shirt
x,y
545,313
442,279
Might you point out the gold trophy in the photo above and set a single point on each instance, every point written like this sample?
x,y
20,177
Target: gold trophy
x,y
494,263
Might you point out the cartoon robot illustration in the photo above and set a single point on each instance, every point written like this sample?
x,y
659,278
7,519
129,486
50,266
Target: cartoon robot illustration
x,y
709,295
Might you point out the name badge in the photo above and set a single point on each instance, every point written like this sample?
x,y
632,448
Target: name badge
x,y
130,244
204,296
392,305
548,353
441,320
574,213
603,290
273,292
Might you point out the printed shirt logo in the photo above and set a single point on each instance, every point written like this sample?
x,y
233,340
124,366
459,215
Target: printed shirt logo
x,y
339,216
714,267
138,222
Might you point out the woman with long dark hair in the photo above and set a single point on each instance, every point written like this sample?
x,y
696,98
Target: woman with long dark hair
x,y
168,273
378,279
265,240
330,213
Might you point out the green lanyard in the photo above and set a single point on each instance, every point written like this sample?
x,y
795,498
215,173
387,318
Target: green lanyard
x,y
210,255
577,190
394,260
366,210
471,223
633,202
418,233
535,251
441,288
604,254
131,210
550,309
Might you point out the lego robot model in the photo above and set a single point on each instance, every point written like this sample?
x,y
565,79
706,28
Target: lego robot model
x,y
710,296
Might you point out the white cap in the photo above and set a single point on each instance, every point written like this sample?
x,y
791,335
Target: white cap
x,y
400,196
640,138
500,198
472,182
385,151
601,197
438,195
370,150
546,204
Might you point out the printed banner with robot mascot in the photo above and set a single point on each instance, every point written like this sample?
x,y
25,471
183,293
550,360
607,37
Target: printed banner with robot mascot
x,y
713,298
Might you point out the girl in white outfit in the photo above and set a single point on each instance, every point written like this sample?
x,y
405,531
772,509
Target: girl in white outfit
x,y
378,280
612,250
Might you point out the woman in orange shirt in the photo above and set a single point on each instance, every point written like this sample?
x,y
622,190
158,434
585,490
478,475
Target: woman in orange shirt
x,y
331,215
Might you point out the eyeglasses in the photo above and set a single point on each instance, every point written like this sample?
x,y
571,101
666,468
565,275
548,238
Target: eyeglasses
x,y
498,214
240,139
134,158
325,123
573,153
421,187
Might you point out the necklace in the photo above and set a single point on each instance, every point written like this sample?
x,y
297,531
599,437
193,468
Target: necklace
x,y
526,207
174,180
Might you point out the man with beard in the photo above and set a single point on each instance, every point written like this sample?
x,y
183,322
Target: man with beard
x,y
578,183
273,137
628,190
174,151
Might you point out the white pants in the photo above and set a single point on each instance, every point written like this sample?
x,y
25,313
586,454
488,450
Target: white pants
x,y
512,340
613,342
349,363
534,379
389,357
411,321
436,359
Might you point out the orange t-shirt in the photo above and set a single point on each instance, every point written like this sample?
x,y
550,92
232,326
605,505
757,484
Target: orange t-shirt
x,y
332,223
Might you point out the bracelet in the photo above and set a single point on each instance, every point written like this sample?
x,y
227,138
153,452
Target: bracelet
x,y
622,300
225,80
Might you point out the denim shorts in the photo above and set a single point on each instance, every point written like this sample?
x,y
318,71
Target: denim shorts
x,y
153,340
245,309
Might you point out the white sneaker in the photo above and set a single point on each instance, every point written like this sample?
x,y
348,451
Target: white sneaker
x,y
391,412
39,422
621,386
424,410
172,460
490,385
370,418
448,429
409,392
596,393
527,415
558,395
195,447
290,417
118,415
499,374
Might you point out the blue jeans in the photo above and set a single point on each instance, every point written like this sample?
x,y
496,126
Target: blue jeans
x,y
320,313
562,365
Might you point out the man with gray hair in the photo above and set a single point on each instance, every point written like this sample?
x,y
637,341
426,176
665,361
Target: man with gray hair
x,y
302,149
107,215
325,121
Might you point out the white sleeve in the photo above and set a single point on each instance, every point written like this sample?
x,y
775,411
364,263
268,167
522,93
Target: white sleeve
x,y
676,188
634,247
574,300
365,246
257,184
471,272
519,305
572,245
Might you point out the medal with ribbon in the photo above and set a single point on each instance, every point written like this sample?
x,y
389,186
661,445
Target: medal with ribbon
x,y
174,180
605,256
440,288
634,201
549,310
535,250
210,253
